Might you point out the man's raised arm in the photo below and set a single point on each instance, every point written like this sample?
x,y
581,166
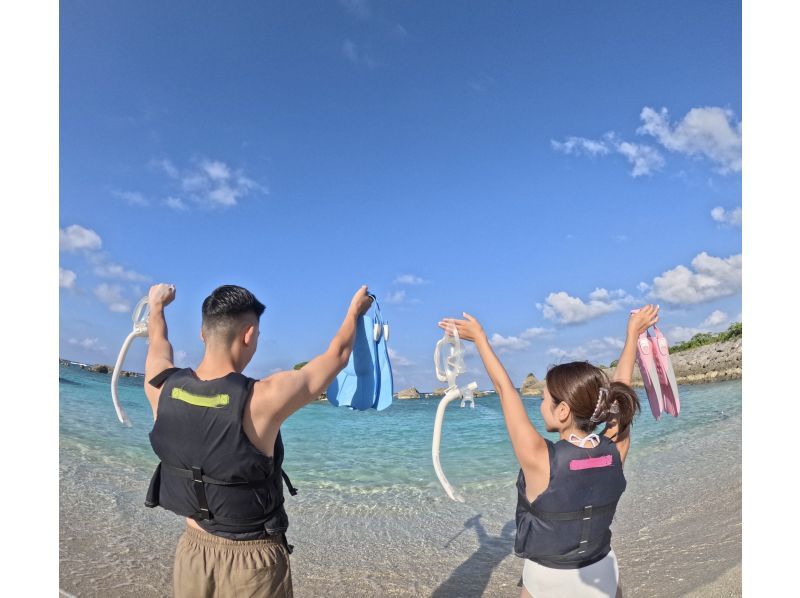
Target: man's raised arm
x,y
159,350
282,394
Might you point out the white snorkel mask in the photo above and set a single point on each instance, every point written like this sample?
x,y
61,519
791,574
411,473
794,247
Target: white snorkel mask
x,y
139,317
448,372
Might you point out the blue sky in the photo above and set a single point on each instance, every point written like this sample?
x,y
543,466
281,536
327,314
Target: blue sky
x,y
544,167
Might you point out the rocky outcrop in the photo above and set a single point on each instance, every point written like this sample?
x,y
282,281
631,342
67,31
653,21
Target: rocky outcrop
x,y
709,363
531,386
408,393
101,368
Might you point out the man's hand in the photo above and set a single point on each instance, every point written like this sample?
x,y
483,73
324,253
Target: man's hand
x,y
468,329
361,302
161,295
641,320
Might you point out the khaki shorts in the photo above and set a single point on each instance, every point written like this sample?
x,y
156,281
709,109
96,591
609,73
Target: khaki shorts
x,y
207,566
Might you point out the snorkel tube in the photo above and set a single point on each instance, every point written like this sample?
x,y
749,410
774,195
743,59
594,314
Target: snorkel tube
x,y
139,317
453,366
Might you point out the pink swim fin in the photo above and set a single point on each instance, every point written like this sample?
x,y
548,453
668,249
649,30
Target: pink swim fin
x,y
647,366
666,375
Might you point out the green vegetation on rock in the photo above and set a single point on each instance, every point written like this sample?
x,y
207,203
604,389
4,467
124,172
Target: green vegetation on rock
x,y
705,338
300,365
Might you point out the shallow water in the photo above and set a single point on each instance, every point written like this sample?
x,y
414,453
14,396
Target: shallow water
x,y
371,517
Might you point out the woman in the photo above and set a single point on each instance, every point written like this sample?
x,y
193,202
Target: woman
x,y
568,490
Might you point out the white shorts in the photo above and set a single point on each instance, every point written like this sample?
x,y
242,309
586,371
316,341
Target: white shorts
x,y
593,581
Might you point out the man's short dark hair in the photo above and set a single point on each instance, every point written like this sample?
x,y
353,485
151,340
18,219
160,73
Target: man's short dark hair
x,y
223,308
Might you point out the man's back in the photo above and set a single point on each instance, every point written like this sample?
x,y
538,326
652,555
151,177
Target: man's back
x,y
189,430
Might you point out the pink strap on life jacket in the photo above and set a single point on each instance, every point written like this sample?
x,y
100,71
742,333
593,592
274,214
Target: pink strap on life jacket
x,y
590,463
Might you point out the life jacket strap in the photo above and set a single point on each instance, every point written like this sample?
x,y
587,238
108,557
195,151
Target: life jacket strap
x,y
159,379
189,474
200,491
292,489
586,529
583,514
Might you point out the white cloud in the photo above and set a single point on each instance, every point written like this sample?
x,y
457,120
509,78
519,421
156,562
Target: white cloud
x,y
216,170
176,203
712,277
731,218
66,278
395,297
357,55
644,159
106,269
180,358
90,344
716,321
601,350
167,167
409,279
134,198
508,344
398,360
76,237
565,309
358,8
715,318
111,295
710,131
643,287
532,333
577,146
211,183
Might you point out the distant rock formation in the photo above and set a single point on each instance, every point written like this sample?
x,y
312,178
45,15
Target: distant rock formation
x,y
101,368
531,386
408,393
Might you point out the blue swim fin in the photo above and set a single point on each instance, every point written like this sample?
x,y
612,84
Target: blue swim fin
x,y
356,384
383,396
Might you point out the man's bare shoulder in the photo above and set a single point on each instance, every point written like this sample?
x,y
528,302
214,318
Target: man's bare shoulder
x,y
273,388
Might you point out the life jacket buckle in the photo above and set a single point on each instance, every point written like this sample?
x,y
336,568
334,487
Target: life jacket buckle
x,y
200,491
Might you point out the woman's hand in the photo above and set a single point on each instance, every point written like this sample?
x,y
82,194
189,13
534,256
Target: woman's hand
x,y
641,320
468,329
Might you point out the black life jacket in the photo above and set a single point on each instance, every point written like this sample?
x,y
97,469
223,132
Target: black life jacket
x,y
568,525
209,470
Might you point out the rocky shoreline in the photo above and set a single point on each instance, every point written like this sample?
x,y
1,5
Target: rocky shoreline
x,y
709,363
99,368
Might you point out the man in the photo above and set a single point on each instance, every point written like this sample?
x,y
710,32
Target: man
x,y
217,434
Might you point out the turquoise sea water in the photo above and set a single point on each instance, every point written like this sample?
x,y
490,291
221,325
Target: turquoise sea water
x,y
369,452
365,478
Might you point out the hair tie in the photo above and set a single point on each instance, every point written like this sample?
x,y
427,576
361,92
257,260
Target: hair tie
x,y
598,408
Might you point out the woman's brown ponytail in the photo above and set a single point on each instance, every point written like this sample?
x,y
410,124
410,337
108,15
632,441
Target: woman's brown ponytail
x,y
591,397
